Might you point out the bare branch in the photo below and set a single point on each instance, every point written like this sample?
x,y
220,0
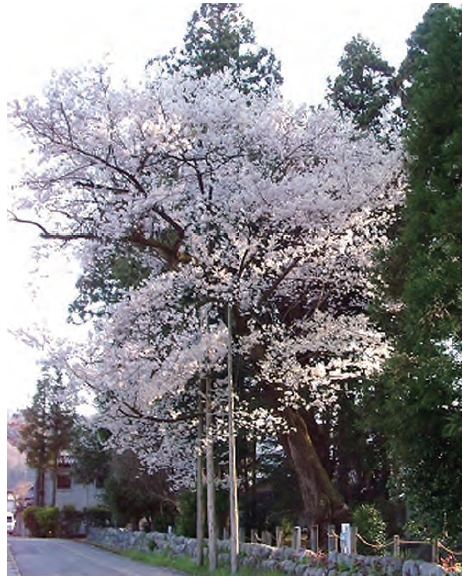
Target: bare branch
x,y
51,235
278,280
135,413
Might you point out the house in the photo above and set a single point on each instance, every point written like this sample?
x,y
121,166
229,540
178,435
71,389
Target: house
x,y
11,502
24,494
68,490
63,488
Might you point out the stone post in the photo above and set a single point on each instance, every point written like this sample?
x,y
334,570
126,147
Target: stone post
x,y
332,539
279,536
346,538
297,538
434,551
396,550
314,538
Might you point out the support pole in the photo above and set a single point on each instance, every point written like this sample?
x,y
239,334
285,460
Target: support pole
x,y
232,475
200,485
210,482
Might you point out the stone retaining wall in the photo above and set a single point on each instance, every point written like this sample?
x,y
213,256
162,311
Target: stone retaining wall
x,y
284,559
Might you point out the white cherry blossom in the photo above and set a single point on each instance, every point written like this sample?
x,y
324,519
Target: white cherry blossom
x,y
226,198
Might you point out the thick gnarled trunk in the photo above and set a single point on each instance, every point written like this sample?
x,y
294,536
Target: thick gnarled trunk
x,y
321,501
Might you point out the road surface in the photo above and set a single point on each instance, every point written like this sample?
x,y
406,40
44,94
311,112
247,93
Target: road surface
x,y
29,556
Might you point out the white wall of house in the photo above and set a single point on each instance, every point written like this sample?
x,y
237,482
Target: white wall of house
x,y
77,494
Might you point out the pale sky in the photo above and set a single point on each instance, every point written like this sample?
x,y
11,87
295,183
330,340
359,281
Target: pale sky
x,y
40,35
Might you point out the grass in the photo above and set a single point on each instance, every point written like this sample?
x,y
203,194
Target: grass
x,y
188,565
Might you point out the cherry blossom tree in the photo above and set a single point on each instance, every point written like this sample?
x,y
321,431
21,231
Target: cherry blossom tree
x,y
227,200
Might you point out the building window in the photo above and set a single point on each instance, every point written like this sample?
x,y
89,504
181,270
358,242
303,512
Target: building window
x,y
63,481
65,460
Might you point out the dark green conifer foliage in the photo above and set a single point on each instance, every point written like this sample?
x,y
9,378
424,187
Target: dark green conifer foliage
x,y
219,37
422,280
432,230
365,87
47,430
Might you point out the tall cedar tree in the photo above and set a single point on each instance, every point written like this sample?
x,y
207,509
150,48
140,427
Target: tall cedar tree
x,y
365,87
47,430
219,37
422,276
133,493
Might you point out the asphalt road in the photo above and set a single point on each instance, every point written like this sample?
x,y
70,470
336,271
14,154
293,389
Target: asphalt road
x,y
29,556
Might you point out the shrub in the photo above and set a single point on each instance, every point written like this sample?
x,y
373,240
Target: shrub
x,y
48,519
97,516
42,521
152,545
162,521
371,527
70,521
185,523
30,520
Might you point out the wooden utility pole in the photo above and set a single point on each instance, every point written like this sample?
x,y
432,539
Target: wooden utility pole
x,y
232,475
200,483
210,481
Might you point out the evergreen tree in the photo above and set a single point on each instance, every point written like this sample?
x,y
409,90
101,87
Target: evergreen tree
x,y
219,37
102,283
48,425
366,86
133,493
422,276
432,230
91,457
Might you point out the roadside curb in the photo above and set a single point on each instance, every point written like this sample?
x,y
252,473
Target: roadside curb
x,y
11,567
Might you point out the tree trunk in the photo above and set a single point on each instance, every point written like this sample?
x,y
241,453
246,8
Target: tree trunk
x,y
210,482
54,477
321,501
53,486
40,488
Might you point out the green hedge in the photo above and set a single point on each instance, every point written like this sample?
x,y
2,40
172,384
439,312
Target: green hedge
x,y
71,521
97,516
42,521
51,522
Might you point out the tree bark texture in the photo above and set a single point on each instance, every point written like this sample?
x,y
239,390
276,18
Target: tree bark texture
x,y
321,501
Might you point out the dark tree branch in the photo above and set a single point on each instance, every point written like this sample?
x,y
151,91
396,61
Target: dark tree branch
x,y
51,235
278,280
133,413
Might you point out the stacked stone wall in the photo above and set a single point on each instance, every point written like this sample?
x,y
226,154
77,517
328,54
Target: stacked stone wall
x,y
284,559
